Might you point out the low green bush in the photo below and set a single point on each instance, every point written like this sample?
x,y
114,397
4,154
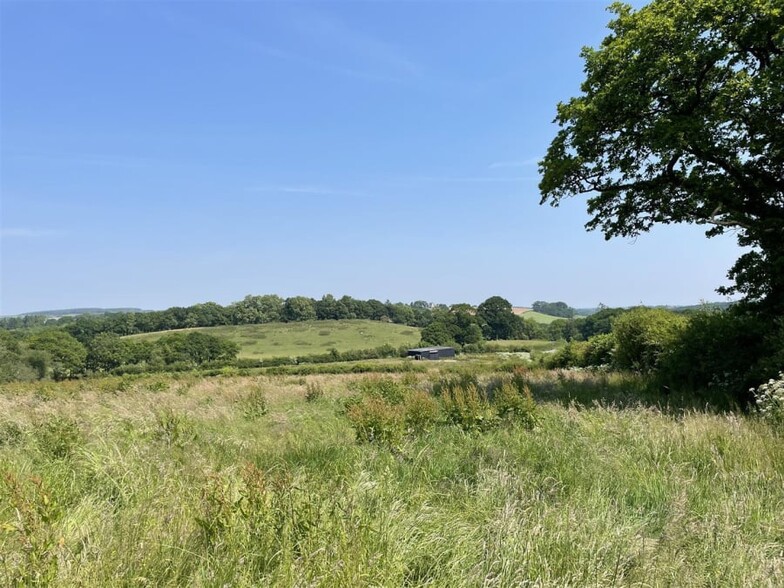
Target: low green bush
x,y
390,390
570,355
514,404
644,337
447,384
468,407
313,392
422,411
599,350
58,436
254,403
173,428
11,434
726,353
375,420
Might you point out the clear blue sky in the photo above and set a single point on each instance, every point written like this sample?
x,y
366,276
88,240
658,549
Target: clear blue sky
x,y
166,153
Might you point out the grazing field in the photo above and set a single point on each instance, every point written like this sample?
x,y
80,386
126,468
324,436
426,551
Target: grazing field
x,y
538,317
308,337
370,480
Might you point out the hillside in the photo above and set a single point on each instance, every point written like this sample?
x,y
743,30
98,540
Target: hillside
x,y
538,317
75,312
308,337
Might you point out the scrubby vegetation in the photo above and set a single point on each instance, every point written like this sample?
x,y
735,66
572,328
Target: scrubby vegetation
x,y
461,475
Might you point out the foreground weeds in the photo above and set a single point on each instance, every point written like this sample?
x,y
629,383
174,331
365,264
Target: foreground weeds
x,y
451,477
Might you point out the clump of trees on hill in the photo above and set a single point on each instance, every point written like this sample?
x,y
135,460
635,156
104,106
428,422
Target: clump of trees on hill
x,y
560,309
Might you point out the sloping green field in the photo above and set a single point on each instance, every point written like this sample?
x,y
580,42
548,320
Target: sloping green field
x,y
308,337
538,317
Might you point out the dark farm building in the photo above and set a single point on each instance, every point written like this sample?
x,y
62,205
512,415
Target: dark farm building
x,y
431,352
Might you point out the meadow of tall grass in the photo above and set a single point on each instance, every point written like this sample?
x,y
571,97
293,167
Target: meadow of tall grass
x,y
449,477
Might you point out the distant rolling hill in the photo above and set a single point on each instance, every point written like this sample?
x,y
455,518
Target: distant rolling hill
x,y
307,337
539,317
76,312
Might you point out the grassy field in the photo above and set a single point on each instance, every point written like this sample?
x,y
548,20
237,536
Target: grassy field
x,y
538,317
309,337
260,481
529,344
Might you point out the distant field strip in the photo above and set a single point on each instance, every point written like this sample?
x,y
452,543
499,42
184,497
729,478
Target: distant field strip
x,y
307,338
538,317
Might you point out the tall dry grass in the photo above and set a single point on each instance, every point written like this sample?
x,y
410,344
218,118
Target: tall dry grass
x,y
187,481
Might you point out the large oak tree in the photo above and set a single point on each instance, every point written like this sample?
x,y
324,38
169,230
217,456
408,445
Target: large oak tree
x,y
681,120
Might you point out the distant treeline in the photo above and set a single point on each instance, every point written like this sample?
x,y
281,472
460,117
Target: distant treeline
x,y
40,347
56,354
36,347
251,310
458,324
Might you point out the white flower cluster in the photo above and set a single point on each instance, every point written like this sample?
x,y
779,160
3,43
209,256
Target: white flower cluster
x,y
770,399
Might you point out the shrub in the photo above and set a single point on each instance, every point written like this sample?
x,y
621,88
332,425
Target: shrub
x,y
173,428
254,404
157,386
726,352
390,390
770,400
515,404
421,411
448,384
468,407
376,421
570,355
313,391
58,436
643,336
32,542
599,350
11,434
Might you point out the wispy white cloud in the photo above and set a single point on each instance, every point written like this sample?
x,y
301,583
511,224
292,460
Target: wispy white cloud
x,y
28,233
384,59
85,159
307,190
468,179
363,56
515,163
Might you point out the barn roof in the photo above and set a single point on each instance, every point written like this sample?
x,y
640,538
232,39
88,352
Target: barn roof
x,y
424,349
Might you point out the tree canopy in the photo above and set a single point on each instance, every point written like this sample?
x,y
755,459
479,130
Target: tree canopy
x,y
559,309
497,319
680,121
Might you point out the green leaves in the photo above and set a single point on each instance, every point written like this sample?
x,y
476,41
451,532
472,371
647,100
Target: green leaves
x,y
680,121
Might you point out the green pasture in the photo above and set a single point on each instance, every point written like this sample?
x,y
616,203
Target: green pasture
x,y
308,337
538,317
